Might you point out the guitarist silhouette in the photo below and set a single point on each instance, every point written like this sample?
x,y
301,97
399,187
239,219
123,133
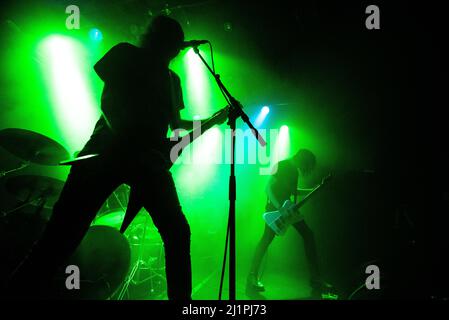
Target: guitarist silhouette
x,y
281,186
141,98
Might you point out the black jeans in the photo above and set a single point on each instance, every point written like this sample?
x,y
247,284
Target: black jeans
x,y
87,187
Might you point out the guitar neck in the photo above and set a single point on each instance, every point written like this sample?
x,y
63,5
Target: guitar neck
x,y
197,132
303,201
205,125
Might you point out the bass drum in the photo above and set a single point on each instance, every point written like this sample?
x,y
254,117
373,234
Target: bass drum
x,y
103,261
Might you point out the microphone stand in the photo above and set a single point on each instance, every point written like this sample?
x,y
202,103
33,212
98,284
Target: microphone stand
x,y
235,111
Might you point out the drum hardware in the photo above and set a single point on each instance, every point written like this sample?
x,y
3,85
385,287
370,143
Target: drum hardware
x,y
140,264
40,205
32,188
117,198
32,147
23,165
43,192
137,235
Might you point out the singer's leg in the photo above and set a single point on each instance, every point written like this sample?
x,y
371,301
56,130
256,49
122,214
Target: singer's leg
x,y
160,199
84,192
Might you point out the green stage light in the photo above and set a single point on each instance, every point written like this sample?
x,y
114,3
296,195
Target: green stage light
x,y
198,95
283,143
198,163
66,75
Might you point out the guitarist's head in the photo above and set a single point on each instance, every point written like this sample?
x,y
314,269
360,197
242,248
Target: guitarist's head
x,y
164,37
305,161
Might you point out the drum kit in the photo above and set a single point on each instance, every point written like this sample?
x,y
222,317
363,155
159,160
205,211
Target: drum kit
x,y
35,194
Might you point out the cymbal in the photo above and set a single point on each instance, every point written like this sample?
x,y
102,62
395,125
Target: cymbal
x,y
32,146
31,187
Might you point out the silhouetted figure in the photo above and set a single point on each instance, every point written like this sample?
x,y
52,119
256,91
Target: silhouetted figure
x,y
141,99
281,187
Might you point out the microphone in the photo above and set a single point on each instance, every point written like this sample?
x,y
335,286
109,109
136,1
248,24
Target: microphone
x,y
193,43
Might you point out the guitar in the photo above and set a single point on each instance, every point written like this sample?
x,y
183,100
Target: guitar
x,y
169,154
172,148
288,214
164,157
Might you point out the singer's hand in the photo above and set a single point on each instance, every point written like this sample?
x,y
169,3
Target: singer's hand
x,y
220,116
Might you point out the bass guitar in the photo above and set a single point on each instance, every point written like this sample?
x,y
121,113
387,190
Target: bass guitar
x,y
288,214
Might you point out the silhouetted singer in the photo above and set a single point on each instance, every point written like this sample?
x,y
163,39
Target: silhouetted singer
x,y
141,99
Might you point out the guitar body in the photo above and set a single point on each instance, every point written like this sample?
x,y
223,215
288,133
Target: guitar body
x,y
288,214
279,220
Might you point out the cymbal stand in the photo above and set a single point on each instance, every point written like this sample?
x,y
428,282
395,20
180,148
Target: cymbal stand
x,y
23,165
136,269
28,202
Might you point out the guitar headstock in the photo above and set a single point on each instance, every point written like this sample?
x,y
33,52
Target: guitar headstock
x,y
326,179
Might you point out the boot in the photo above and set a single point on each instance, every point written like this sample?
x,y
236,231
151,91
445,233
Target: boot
x,y
320,288
253,284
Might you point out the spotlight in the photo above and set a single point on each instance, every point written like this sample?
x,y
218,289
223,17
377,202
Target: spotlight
x,y
265,110
261,116
283,143
95,34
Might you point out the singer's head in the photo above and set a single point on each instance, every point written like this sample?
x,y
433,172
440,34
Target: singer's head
x,y
164,36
